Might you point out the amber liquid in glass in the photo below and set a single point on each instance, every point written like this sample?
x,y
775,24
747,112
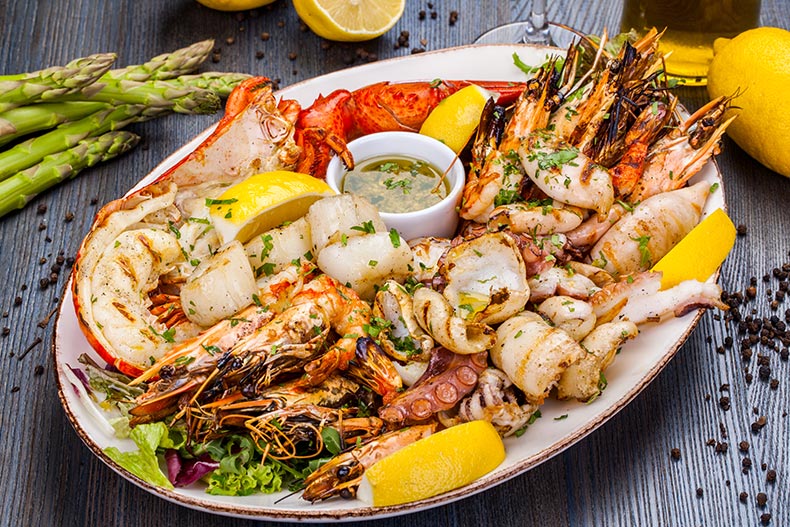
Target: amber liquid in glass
x,y
692,26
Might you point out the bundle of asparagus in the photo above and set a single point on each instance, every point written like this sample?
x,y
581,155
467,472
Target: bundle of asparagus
x,y
58,121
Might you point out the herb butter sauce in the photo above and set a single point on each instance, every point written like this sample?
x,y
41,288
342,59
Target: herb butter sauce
x,y
397,183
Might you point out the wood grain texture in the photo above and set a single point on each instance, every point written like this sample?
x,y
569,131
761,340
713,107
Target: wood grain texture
x,y
620,475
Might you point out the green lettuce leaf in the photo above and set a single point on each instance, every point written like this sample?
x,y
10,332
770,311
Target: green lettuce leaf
x,y
144,462
255,477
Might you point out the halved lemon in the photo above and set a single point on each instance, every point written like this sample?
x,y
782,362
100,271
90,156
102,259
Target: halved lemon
x,y
349,20
700,253
455,119
234,5
262,202
435,464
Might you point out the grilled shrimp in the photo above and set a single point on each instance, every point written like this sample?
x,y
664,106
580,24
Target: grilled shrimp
x,y
566,174
642,237
341,475
680,154
537,218
499,173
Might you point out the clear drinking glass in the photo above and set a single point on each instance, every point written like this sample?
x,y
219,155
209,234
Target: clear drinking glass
x,y
691,27
535,30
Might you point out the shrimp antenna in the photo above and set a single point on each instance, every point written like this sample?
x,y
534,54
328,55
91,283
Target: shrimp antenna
x,y
599,53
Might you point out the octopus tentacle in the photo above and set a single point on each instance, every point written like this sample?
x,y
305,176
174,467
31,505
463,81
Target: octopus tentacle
x,y
448,379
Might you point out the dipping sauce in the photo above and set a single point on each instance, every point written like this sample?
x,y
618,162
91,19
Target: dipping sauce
x,y
397,183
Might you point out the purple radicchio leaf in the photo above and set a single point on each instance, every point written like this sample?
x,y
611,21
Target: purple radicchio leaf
x,y
81,376
182,472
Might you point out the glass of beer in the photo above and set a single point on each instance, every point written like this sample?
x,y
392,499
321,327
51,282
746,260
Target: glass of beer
x,y
691,27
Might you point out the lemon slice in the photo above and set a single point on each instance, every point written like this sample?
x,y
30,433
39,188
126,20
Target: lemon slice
x,y
349,20
262,202
438,463
700,253
234,5
455,119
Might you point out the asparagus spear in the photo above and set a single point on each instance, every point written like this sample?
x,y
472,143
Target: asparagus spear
x,y
165,66
18,190
31,152
161,94
218,82
51,83
24,120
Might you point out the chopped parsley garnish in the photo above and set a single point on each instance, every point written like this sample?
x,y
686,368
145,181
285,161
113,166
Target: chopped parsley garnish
x,y
210,202
366,227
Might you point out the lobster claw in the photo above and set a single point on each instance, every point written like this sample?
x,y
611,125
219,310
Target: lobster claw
x,y
323,129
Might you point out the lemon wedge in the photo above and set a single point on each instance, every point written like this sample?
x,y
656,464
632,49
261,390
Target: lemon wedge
x,y
455,119
700,253
349,20
262,202
435,464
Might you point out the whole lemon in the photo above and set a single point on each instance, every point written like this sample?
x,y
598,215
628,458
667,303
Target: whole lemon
x,y
756,64
234,5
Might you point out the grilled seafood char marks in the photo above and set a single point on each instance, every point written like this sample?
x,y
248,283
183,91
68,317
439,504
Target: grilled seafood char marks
x,y
495,400
449,377
545,280
341,475
135,332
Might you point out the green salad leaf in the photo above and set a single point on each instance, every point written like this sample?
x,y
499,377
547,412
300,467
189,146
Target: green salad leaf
x,y
144,462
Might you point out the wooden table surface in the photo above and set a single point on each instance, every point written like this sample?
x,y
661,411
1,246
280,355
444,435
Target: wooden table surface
x,y
622,474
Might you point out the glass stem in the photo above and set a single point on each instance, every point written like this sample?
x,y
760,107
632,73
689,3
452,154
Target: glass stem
x,y
537,30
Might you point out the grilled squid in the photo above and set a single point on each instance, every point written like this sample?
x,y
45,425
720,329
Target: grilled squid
x,y
486,278
495,400
584,379
573,316
437,317
533,354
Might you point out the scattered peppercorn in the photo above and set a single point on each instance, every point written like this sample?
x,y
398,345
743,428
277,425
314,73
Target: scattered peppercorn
x,y
18,301
265,36
699,492
743,446
15,389
762,499
759,424
259,55
6,331
770,476
69,217
741,229
453,17
743,496
765,518
675,453
724,402
38,370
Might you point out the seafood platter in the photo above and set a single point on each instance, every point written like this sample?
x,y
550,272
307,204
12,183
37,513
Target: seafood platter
x,y
277,366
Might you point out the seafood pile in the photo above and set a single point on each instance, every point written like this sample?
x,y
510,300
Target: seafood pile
x,y
332,339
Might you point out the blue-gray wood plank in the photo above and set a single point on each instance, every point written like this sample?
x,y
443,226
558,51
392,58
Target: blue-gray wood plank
x,y
620,475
